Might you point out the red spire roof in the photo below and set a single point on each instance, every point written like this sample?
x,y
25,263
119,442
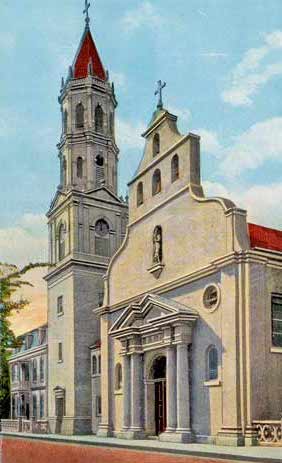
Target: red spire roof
x,y
87,53
263,237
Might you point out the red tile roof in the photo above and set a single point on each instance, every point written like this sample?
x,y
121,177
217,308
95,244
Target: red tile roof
x,y
87,52
263,237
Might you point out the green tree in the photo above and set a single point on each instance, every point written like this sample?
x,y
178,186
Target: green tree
x,y
10,281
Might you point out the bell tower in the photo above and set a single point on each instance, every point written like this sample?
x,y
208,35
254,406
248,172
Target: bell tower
x,y
87,223
87,149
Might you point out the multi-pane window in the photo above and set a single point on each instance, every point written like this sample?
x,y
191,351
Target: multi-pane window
x,y
60,352
60,305
212,363
34,406
34,370
41,369
14,373
94,365
276,318
41,406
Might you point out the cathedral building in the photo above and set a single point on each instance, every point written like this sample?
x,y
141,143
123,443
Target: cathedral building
x,y
164,311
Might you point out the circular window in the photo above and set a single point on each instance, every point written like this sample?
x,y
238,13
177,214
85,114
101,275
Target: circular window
x,y
211,297
102,228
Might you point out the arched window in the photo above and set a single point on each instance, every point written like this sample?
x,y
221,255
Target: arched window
x,y
100,170
79,116
212,363
118,377
94,365
79,167
156,182
140,198
65,121
99,364
99,119
62,238
102,238
174,168
156,144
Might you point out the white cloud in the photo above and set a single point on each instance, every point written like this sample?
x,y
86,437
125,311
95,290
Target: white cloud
x,y
250,150
213,54
209,142
203,13
118,78
129,134
26,241
262,202
7,41
253,71
144,15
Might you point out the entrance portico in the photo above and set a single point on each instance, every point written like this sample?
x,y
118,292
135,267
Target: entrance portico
x,y
155,336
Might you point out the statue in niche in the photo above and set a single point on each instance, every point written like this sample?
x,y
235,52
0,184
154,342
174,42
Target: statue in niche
x,y
157,245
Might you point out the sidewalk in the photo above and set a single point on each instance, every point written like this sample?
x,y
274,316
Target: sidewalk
x,y
241,454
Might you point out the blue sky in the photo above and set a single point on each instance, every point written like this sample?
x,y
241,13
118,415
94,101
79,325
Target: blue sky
x,y
222,61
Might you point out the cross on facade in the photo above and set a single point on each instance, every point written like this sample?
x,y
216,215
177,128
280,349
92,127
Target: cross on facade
x,y
86,12
159,91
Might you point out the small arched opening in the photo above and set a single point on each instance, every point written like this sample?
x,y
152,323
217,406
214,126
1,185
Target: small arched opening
x,y
79,116
174,168
140,198
156,144
156,182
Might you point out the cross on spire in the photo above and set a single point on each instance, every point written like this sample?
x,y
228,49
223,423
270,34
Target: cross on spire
x,y
159,91
86,12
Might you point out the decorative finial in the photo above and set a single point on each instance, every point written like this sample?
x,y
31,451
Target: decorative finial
x,y
159,91
86,12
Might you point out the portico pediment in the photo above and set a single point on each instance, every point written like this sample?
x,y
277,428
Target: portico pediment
x,y
152,311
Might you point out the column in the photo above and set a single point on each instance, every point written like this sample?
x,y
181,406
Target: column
x,y
136,395
126,393
183,393
171,389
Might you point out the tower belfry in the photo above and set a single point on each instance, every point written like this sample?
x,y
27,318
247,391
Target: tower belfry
x,y
87,223
87,150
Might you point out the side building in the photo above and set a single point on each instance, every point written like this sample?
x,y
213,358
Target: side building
x,y
87,224
29,375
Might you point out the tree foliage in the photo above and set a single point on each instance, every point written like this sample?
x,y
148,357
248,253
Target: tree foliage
x,y
10,281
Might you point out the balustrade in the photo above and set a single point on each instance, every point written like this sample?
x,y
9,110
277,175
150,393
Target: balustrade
x,y
269,432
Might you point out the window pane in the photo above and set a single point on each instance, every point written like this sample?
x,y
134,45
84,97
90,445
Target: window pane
x,y
276,313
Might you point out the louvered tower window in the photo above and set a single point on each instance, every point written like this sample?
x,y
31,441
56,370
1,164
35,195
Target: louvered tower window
x,y
102,238
100,170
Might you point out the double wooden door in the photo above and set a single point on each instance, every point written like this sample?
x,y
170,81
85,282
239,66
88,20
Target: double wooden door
x,y
160,406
